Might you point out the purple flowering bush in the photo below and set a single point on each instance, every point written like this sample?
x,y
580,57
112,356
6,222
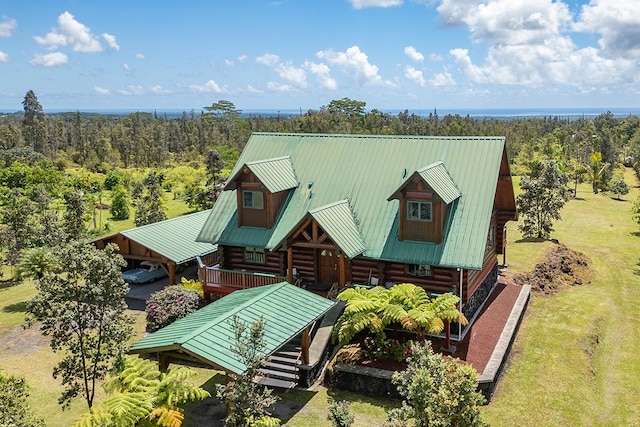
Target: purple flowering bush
x,y
170,304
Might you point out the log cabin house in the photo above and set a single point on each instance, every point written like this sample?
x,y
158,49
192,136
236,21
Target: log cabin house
x,y
329,211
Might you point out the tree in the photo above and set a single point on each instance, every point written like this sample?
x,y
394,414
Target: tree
x,y
81,307
248,401
14,409
119,203
619,188
596,170
544,193
17,222
138,391
437,392
148,200
75,215
406,304
34,127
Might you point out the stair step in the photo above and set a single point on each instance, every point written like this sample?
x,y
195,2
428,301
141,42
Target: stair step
x,y
288,353
275,383
281,367
285,359
271,373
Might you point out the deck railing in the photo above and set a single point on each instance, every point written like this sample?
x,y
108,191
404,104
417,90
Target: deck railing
x,y
212,277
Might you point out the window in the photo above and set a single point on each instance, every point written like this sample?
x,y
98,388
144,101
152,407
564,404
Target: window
x,y
252,199
491,238
419,270
254,255
418,211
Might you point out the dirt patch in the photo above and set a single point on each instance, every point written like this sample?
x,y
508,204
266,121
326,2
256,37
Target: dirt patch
x,y
561,267
20,341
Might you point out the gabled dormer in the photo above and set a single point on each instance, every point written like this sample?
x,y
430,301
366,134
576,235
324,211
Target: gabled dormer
x,y
262,187
425,199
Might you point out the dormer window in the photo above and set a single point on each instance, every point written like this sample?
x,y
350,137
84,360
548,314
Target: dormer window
x,y
262,187
253,199
419,211
426,197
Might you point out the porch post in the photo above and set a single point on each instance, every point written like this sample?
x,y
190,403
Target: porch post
x,y
306,343
172,273
290,264
343,270
163,362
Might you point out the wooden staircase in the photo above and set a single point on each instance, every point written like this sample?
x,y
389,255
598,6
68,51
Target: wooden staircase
x,y
281,370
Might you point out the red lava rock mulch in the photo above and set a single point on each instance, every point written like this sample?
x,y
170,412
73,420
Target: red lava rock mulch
x,y
481,339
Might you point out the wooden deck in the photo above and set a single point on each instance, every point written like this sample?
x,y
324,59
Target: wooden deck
x,y
218,281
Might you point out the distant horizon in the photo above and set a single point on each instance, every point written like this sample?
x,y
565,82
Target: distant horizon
x,y
289,112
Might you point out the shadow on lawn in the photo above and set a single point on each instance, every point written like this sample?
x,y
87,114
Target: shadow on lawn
x,y
212,411
18,307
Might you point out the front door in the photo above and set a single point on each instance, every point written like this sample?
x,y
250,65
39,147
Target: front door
x,y
327,267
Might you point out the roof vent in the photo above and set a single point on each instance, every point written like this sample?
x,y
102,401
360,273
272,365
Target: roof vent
x,y
404,173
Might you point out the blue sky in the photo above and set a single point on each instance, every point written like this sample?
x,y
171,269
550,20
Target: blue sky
x,y
301,54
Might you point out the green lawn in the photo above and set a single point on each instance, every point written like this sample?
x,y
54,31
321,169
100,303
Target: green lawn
x,y
574,361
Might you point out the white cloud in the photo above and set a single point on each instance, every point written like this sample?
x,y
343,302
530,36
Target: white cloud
x,y
412,53
140,56
436,58
618,23
278,87
242,58
228,63
70,33
159,90
508,22
210,86
323,73
132,90
4,57
414,75
361,4
357,63
101,91
111,41
442,80
49,60
7,27
529,42
286,70
253,89
126,67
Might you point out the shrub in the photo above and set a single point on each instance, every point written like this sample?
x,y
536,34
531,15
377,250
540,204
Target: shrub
x,y
437,391
194,285
339,414
170,304
380,348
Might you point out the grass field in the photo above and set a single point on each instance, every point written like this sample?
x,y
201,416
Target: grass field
x,y
574,362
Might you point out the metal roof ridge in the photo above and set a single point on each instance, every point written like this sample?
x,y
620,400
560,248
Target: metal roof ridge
x,y
330,205
164,221
272,159
365,136
227,314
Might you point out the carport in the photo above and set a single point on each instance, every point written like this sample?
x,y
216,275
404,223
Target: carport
x,y
172,242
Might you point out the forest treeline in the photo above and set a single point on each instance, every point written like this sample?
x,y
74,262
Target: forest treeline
x,y
100,142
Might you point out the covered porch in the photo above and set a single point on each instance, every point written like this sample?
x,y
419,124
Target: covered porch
x,y
206,336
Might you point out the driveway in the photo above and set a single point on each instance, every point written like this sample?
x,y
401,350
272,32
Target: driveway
x,y
139,294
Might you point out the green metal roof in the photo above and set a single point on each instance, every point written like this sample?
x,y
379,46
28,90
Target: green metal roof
x,y
207,334
365,170
276,174
174,238
338,222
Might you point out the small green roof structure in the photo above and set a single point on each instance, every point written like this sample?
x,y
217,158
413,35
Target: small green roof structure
x,y
207,334
174,238
366,171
